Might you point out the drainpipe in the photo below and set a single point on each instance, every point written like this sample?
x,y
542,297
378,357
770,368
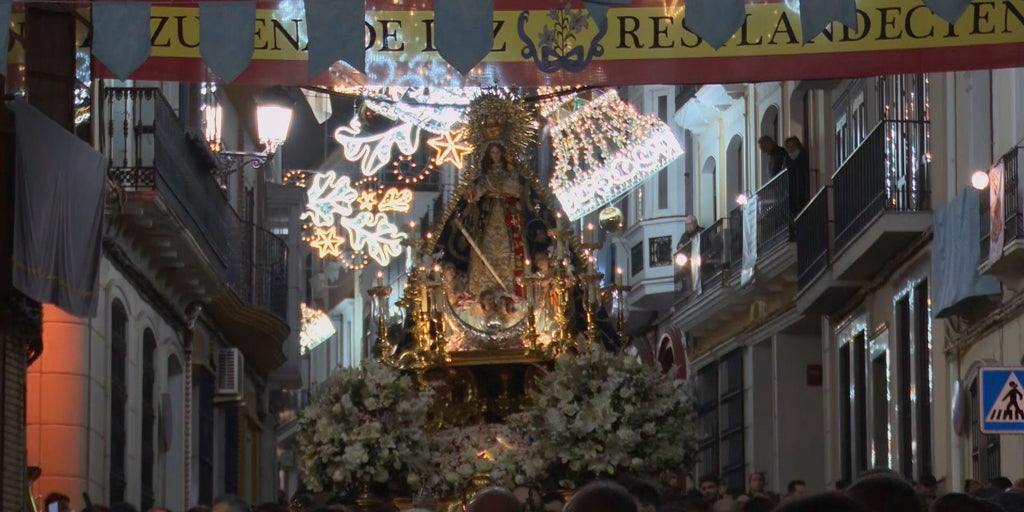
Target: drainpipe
x,y
192,312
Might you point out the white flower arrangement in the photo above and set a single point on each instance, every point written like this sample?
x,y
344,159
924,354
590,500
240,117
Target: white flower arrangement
x,y
465,454
604,414
365,427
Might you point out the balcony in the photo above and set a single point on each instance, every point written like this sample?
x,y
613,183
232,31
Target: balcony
x,y
174,227
1005,266
876,207
881,199
720,300
819,293
650,270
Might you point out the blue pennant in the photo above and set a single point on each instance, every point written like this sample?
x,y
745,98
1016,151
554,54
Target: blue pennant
x,y
949,10
226,36
815,15
121,35
463,31
335,33
5,21
715,21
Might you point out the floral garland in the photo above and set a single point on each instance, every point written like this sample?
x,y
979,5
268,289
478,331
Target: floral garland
x,y
365,427
603,414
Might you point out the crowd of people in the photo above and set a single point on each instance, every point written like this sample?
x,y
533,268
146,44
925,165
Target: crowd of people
x,y
875,491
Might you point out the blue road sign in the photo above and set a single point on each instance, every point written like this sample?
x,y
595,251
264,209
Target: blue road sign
x,y
1001,396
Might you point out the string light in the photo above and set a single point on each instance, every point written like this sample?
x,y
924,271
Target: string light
x,y
404,170
603,149
295,178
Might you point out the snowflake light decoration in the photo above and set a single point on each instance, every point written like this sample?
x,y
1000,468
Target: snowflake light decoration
x,y
374,151
451,147
332,203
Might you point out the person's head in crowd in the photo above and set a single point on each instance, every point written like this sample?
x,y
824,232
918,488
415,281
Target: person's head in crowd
x,y
767,144
1007,501
971,486
1000,483
758,504
646,495
959,502
926,486
708,486
793,146
796,488
62,501
229,503
756,482
884,491
827,502
494,499
602,496
725,504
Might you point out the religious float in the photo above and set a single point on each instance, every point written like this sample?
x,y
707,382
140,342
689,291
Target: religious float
x,y
507,369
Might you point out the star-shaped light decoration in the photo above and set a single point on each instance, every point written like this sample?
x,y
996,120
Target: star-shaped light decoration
x,y
327,242
451,147
367,200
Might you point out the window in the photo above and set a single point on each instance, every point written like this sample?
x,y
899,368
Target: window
x,y
663,173
636,259
148,419
853,403
985,461
661,251
880,403
913,329
118,399
720,415
204,449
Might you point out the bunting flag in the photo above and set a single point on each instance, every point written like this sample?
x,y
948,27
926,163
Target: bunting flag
x,y
598,9
226,36
715,20
5,21
121,35
815,15
464,33
335,33
949,10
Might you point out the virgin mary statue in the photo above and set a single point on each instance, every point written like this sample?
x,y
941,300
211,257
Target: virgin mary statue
x,y
499,219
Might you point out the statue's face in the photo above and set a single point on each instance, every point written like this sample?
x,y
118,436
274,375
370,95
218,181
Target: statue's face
x,y
543,264
495,153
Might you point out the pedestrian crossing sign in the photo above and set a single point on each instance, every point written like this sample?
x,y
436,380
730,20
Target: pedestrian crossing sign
x,y
1001,397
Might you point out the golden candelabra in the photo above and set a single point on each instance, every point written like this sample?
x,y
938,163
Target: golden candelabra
x,y
380,294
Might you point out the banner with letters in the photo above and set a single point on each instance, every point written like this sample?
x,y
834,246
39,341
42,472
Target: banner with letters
x,y
556,42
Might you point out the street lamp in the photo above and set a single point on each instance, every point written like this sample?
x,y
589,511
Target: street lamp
x,y
979,180
273,119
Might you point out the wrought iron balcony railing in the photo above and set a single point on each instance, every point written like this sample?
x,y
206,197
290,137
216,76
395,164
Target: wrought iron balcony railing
x,y
1013,203
149,152
812,239
774,213
888,172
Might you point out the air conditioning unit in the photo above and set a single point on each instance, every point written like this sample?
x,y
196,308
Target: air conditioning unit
x,y
230,375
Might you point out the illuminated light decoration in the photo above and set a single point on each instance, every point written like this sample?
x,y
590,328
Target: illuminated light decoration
x,y
375,234
354,260
603,149
431,118
367,200
404,170
295,178
328,196
316,328
374,151
451,147
396,200
366,180
327,242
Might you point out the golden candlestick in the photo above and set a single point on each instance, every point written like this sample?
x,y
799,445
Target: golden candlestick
x,y
380,294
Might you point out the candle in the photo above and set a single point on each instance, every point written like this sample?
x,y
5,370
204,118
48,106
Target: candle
x,y
380,278
618,276
590,232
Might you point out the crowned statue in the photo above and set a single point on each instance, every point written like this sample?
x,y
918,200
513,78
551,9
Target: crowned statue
x,y
501,264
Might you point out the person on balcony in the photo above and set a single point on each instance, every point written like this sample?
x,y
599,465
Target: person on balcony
x,y
799,165
689,233
776,155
